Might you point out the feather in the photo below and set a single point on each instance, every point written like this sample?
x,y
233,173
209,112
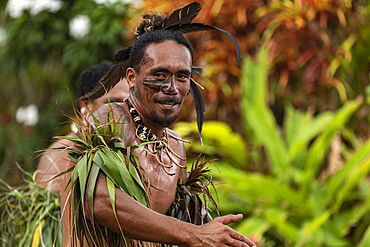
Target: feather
x,y
107,82
122,55
197,70
199,107
182,16
196,27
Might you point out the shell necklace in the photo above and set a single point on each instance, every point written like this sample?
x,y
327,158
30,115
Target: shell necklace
x,y
159,144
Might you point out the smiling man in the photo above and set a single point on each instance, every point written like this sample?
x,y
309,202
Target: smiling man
x,y
159,78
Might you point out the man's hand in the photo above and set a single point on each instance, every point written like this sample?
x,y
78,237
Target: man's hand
x,y
217,233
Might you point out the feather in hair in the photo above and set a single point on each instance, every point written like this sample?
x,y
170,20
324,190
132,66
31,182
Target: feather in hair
x,y
122,55
182,15
197,70
199,107
197,27
107,82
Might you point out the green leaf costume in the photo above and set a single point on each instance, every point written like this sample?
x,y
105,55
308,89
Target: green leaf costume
x,y
100,150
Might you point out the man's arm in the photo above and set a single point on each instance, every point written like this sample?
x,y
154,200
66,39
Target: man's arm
x,y
142,223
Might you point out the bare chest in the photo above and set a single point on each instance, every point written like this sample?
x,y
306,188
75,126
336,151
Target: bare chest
x,y
162,175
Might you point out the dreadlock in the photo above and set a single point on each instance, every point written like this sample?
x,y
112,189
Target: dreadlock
x,y
150,22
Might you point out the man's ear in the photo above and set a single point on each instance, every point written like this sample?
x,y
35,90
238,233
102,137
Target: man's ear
x,y
131,77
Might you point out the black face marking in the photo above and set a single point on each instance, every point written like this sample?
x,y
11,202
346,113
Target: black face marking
x,y
158,85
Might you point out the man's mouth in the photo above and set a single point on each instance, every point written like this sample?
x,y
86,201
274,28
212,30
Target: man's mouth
x,y
168,104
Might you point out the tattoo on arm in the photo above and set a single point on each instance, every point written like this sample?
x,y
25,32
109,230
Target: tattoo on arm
x,y
126,128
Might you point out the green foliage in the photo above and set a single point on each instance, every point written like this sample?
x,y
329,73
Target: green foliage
x,y
314,192
219,141
41,63
46,36
30,215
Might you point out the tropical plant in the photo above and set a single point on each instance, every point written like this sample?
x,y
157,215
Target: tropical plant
x,y
30,215
312,190
41,60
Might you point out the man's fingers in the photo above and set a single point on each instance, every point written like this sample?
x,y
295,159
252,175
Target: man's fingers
x,y
227,219
234,238
241,238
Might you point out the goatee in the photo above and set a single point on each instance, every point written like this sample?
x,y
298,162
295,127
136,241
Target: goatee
x,y
165,121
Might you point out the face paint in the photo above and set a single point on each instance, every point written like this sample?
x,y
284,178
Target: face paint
x,y
158,85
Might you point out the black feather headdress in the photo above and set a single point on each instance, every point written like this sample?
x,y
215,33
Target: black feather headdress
x,y
179,20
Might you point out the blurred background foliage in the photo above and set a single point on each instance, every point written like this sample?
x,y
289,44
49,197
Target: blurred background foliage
x,y
290,127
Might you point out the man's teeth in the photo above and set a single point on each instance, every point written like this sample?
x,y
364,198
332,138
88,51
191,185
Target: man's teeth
x,y
168,103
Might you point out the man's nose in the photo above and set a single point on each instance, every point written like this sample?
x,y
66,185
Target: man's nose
x,y
171,87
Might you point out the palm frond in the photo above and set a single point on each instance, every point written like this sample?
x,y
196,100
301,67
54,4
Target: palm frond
x,y
30,215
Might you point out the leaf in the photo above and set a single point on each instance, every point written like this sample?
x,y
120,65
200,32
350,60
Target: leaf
x,y
256,187
311,227
320,146
83,169
300,128
37,234
277,217
109,167
112,198
339,183
253,226
91,188
365,241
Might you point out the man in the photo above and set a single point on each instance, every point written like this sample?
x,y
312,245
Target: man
x,y
54,160
159,78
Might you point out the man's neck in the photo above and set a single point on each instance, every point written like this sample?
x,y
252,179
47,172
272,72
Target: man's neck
x,y
155,128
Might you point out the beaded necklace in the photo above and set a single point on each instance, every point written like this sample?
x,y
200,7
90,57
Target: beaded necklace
x,y
159,144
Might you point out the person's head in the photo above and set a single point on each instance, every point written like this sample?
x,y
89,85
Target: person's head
x,y
89,79
159,75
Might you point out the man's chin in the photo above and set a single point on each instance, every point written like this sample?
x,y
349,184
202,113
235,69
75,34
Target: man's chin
x,y
165,121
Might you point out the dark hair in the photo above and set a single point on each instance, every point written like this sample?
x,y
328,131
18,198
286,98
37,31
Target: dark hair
x,y
91,76
155,37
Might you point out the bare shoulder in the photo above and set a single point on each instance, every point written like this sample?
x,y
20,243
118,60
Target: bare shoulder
x,y
115,113
55,153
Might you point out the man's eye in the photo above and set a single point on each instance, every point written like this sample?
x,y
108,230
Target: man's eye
x,y
160,76
183,77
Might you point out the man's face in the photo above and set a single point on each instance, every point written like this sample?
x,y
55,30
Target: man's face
x,y
163,82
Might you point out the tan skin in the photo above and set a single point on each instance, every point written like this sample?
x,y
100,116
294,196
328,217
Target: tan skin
x,y
137,221
55,160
